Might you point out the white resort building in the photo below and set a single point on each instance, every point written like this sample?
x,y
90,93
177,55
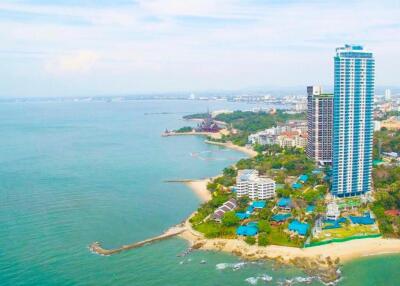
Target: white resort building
x,y
332,211
249,183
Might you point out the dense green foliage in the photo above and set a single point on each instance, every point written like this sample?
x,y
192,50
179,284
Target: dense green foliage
x,y
196,116
184,129
387,197
256,121
230,219
263,239
250,240
284,162
387,177
388,140
264,226
227,179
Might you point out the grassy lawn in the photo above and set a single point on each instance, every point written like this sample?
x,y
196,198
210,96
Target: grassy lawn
x,y
347,231
276,237
213,229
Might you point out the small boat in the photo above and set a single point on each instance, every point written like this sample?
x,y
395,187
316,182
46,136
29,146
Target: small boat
x,y
203,262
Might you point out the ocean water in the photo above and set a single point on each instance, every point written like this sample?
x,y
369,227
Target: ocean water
x,y
76,172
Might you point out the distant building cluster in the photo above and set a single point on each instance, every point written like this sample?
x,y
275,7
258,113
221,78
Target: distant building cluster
x,y
249,183
291,134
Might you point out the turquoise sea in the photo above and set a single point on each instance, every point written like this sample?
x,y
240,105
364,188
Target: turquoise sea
x,y
76,172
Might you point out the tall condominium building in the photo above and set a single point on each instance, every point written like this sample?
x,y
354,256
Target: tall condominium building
x,y
352,121
319,121
248,183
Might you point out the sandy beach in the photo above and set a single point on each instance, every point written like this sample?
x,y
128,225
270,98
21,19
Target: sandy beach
x,y
199,187
230,145
344,250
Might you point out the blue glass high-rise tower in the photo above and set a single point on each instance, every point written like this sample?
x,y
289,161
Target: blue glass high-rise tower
x,y
352,121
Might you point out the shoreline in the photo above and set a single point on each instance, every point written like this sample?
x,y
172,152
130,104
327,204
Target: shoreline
x,y
199,187
230,145
345,251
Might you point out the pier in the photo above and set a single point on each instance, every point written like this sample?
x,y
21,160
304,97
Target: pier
x,y
173,231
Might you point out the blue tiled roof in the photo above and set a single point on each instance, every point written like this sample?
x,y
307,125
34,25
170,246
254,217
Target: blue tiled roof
x,y
284,202
362,219
250,209
280,217
247,230
300,228
296,186
303,178
259,204
310,209
242,215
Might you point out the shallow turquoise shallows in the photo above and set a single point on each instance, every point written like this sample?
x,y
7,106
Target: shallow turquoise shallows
x,y
72,173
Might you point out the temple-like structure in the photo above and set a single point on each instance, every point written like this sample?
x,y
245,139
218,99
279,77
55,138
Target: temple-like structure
x,y
208,125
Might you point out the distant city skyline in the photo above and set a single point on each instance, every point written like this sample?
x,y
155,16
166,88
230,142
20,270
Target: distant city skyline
x,y
90,48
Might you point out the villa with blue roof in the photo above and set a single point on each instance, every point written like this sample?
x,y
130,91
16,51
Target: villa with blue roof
x,y
285,204
248,230
297,185
259,204
303,178
280,218
299,228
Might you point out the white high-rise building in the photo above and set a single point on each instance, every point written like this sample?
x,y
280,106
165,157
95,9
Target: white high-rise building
x,y
352,121
388,94
249,183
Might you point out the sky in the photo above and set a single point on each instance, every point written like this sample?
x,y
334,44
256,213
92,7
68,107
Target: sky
x,y
120,47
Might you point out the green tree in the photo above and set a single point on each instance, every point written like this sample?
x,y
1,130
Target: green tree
x,y
263,239
230,219
184,129
250,240
265,213
230,172
264,226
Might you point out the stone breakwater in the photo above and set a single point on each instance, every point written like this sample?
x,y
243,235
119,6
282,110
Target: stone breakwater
x,y
173,231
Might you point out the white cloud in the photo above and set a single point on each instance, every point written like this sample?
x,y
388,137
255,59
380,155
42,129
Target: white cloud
x,y
197,44
78,62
